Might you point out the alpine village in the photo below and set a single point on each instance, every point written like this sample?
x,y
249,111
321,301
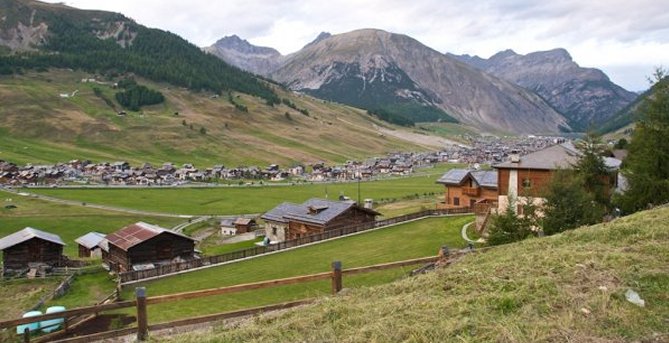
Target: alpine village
x,y
163,179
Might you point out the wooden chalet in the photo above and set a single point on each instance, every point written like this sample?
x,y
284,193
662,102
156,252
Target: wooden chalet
x,y
465,188
143,245
30,246
89,244
290,221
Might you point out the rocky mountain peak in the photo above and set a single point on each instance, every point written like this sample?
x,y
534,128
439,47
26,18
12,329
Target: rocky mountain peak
x,y
242,45
502,55
321,36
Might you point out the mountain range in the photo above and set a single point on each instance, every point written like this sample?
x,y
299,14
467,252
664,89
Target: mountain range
x,y
538,92
585,96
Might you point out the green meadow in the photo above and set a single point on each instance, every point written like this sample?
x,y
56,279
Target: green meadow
x,y
253,198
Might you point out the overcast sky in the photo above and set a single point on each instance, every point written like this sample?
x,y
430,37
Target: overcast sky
x,y
626,39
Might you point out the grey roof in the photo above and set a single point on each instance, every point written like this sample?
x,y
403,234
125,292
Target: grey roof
x,y
27,234
228,222
555,157
90,240
559,156
485,178
612,163
317,211
277,214
320,211
453,176
104,244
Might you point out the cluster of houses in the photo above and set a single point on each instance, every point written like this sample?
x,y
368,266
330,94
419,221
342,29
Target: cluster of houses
x,y
134,247
519,181
480,150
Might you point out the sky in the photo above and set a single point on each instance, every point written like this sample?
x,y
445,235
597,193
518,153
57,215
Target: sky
x,y
626,39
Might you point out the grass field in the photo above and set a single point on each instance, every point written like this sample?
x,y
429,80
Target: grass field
x,y
251,199
417,239
565,288
18,295
67,221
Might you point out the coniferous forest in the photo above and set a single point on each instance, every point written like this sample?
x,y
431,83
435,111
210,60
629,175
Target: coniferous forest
x,y
77,43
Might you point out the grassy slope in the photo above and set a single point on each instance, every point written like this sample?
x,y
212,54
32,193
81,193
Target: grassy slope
x,y
533,291
237,200
417,239
39,126
69,222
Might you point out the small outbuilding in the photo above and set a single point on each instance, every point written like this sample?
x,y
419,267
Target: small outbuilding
x,y
234,226
30,246
139,245
89,244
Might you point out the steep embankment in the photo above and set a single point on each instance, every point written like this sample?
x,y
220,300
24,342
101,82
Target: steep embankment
x,y
566,288
38,125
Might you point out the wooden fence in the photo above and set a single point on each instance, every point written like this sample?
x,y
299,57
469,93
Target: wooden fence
x,y
141,302
339,231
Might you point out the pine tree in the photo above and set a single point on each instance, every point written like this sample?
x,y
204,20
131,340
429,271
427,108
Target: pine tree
x,y
647,165
568,205
591,168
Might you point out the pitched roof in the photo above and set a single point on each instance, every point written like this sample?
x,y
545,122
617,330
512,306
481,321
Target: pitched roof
x,y
27,234
321,211
485,178
317,211
554,157
244,221
277,214
90,240
454,177
139,232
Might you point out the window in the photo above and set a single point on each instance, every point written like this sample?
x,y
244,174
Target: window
x,y
456,201
274,231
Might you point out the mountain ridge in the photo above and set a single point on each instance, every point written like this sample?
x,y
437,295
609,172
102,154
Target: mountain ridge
x,y
387,72
585,96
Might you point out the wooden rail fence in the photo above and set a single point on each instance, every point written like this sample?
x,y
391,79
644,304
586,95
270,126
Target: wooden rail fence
x,y
141,302
344,230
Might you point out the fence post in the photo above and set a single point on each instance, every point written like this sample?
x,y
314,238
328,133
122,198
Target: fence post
x,y
142,322
336,277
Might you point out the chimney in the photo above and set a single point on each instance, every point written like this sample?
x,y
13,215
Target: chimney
x,y
515,158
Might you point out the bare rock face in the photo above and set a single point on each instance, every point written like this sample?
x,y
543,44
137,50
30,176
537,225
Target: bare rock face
x,y
585,96
372,67
240,53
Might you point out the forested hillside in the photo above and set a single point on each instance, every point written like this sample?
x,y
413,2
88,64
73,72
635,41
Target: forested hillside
x,y
112,44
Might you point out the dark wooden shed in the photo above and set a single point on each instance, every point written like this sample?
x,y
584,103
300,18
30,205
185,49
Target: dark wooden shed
x,y
30,245
143,244
89,244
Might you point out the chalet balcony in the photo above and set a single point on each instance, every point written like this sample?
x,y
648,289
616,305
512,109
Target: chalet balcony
x,y
471,191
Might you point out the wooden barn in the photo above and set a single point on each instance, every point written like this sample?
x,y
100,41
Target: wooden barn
x,y
30,246
89,244
289,221
143,245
